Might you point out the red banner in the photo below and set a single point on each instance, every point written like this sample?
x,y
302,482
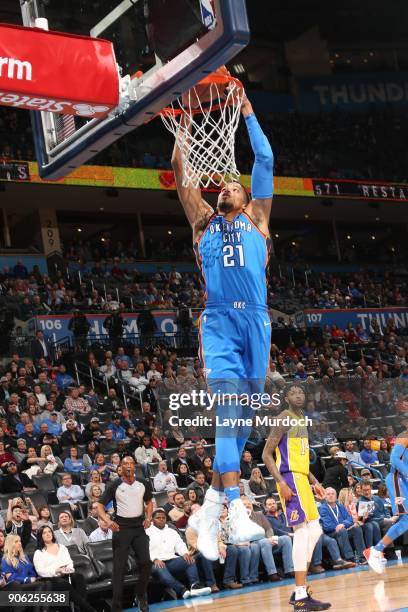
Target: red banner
x,y
57,72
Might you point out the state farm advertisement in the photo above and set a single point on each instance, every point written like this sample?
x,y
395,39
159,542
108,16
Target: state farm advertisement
x,y
57,72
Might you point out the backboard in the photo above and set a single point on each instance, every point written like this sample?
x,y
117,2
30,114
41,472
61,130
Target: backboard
x,y
162,47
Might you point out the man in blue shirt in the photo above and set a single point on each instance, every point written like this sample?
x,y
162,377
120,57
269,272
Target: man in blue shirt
x,y
118,431
63,379
367,455
338,524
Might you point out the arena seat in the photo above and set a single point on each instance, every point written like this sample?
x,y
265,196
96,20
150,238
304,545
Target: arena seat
x,y
160,497
44,482
39,498
83,508
55,510
4,499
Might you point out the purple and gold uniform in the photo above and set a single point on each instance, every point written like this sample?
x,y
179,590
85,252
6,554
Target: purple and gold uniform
x,y
292,461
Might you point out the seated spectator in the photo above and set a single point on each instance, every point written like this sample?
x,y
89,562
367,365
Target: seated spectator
x,y
76,403
72,435
169,505
118,431
69,535
183,476
95,493
5,456
102,533
101,467
53,561
368,456
170,555
15,565
384,452
70,493
337,563
48,462
159,441
371,511
113,465
44,516
338,524
15,481
208,469
73,463
29,435
64,380
2,542
146,453
276,517
270,544
257,483
16,524
182,458
200,486
336,475
91,522
247,465
197,460
92,431
108,445
177,511
352,455
164,480
89,456
21,451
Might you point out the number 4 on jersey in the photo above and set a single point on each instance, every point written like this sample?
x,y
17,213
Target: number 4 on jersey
x,y
230,259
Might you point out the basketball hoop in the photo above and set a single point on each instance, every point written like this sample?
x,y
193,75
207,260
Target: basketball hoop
x,y
204,123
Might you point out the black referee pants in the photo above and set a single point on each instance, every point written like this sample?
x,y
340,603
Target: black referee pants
x,y
123,540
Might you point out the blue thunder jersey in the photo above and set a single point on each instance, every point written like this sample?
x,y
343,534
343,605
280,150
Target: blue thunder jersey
x,y
232,256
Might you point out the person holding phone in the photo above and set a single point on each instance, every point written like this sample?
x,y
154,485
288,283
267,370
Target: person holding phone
x,y
53,562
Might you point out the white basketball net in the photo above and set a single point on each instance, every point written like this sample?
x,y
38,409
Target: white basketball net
x,y
206,137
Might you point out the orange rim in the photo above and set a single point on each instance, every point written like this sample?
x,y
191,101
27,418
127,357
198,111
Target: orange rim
x,y
211,79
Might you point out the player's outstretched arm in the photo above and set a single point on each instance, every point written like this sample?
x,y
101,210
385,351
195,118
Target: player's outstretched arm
x,y
400,447
262,172
197,210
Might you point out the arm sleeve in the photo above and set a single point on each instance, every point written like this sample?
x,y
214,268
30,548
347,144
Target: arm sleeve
x,y
396,459
262,172
148,494
41,567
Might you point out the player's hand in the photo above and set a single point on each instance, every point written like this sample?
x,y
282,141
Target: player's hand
x,y
319,491
339,527
285,491
113,526
146,523
188,558
159,564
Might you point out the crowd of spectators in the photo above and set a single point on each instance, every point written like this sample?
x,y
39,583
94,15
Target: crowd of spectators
x,y
74,433
332,145
25,294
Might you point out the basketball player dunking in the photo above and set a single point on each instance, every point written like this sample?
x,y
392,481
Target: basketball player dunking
x,y
397,486
289,439
231,246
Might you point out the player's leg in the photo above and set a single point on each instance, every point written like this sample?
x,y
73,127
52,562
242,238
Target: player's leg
x,y
221,360
302,514
398,492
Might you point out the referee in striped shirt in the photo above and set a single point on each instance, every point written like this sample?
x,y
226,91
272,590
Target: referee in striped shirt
x,y
132,502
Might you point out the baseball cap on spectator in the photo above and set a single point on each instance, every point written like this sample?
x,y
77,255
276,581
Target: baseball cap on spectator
x,y
71,422
365,471
4,379
116,416
94,420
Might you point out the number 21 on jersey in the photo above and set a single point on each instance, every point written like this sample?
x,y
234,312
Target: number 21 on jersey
x,y
230,259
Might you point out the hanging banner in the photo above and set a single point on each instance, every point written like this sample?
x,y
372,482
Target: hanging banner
x,y
363,316
57,72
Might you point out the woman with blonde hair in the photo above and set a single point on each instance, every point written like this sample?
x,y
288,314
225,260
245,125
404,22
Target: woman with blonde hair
x,y
15,565
49,463
95,493
95,479
257,483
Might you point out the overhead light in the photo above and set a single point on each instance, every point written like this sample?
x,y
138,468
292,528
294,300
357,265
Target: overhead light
x,y
373,237
101,208
79,229
293,243
377,219
336,55
102,239
371,53
365,60
306,216
276,235
169,232
348,237
393,249
239,69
